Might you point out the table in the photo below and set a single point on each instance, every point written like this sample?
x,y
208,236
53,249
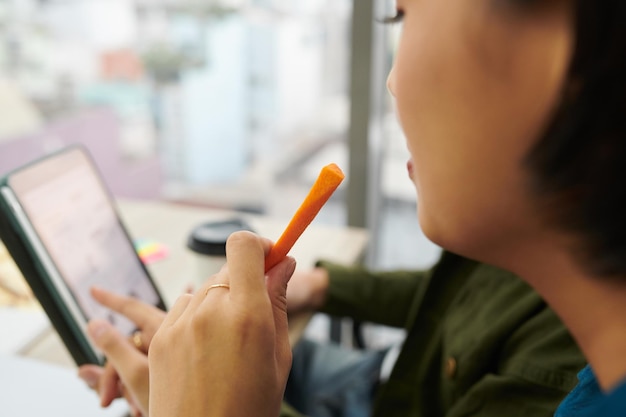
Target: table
x,y
170,224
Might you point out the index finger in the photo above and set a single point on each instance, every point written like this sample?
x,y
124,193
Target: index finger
x,y
245,257
135,310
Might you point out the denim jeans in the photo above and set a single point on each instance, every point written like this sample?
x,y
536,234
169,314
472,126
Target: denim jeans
x,y
327,380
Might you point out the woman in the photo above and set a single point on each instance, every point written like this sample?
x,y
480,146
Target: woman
x,y
513,116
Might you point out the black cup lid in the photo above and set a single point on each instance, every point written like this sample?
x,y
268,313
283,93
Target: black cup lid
x,y
210,238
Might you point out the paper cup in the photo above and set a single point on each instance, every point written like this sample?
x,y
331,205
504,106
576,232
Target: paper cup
x,y
208,242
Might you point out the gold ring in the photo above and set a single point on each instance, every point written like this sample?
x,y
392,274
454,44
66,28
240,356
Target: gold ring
x,y
137,339
216,286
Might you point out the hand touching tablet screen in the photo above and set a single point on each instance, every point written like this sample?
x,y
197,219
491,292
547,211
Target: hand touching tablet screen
x,y
60,224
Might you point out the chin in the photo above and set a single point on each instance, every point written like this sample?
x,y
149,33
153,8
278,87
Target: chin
x,y
435,235
431,228
451,236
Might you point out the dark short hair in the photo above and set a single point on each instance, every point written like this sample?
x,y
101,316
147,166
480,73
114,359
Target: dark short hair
x,y
578,168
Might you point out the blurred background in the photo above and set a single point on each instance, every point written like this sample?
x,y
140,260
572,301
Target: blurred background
x,y
231,104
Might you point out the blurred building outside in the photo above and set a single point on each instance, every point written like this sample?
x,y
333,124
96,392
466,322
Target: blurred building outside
x,y
234,104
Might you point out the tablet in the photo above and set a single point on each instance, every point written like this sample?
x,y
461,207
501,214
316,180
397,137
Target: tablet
x,y
61,226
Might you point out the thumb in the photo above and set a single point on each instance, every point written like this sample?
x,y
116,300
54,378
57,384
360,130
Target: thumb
x,y
106,337
277,280
91,374
116,347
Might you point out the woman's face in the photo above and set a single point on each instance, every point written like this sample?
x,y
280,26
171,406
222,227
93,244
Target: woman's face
x,y
475,83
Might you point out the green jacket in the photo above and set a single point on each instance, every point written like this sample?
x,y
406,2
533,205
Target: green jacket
x,y
479,341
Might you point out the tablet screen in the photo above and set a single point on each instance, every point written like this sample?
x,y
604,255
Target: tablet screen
x,y
71,212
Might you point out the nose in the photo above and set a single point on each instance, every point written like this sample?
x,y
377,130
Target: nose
x,y
391,81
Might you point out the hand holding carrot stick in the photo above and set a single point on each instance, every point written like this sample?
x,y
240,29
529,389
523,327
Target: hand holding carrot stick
x,y
327,182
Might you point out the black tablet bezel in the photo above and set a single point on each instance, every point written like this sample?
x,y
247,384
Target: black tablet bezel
x,y
37,271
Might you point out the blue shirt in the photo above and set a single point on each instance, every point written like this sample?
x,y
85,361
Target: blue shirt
x,y
588,400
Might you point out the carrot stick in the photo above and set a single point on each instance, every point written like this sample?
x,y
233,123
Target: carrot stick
x,y
327,182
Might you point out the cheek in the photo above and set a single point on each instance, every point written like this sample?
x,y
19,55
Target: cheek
x,y
471,100
426,67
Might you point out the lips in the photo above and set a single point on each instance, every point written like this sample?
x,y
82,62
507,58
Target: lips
x,y
410,168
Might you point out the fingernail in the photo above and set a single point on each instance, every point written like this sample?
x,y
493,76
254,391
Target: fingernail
x,y
95,292
291,268
97,329
88,377
91,381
